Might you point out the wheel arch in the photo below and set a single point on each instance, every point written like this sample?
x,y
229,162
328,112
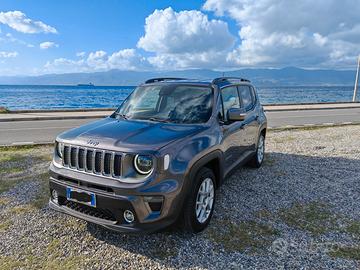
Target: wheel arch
x,y
214,161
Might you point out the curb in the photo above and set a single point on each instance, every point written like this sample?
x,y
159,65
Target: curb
x,y
309,109
314,126
52,118
63,110
26,144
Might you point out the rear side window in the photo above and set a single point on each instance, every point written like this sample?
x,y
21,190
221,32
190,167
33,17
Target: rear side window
x,y
246,97
230,98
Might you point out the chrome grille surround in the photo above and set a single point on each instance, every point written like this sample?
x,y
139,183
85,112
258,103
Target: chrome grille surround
x,y
92,161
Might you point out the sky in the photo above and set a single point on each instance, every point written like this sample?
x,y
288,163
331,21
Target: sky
x,y
42,36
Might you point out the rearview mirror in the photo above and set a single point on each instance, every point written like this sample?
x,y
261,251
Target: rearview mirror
x,y
235,114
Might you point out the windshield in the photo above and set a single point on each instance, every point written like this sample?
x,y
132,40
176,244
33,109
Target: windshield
x,y
168,103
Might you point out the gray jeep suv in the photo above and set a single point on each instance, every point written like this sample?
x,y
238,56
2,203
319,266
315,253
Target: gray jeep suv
x,y
160,157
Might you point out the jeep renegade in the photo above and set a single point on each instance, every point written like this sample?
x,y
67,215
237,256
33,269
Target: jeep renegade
x,y
160,157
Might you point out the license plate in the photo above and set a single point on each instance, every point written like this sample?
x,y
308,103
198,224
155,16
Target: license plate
x,y
81,196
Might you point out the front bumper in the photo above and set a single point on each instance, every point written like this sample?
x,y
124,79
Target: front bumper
x,y
111,203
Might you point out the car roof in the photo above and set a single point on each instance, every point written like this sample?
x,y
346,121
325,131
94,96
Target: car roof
x,y
220,82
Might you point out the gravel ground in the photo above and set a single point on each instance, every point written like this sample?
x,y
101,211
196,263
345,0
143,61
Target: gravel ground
x,y
299,211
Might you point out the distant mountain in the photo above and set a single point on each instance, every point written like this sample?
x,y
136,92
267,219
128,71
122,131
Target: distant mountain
x,y
285,76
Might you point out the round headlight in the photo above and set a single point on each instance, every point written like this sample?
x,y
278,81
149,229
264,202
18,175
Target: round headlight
x,y
59,149
143,164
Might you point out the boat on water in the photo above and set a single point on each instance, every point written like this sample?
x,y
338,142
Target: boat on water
x,y
85,84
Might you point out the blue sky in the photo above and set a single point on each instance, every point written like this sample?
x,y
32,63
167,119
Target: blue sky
x,y
40,36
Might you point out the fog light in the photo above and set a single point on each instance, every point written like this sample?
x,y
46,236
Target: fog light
x,y
129,216
55,196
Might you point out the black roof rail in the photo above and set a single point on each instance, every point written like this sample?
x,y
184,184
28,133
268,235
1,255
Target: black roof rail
x,y
223,79
163,79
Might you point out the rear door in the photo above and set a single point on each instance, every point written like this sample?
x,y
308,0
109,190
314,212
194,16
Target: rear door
x,y
251,123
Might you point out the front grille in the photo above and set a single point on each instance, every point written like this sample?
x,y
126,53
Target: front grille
x,y
73,158
98,157
81,159
89,160
90,211
66,155
93,161
107,163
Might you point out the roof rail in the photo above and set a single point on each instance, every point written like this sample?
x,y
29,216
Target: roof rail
x,y
163,79
223,79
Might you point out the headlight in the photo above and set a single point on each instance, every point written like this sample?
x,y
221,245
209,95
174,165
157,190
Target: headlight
x,y
143,164
59,149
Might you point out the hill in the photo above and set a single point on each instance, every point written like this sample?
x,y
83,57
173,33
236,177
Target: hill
x,y
285,76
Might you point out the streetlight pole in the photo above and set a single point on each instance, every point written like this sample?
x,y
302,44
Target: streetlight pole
x,y
356,80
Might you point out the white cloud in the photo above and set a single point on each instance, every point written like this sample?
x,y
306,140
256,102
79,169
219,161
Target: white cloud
x,y
167,31
185,39
9,38
305,33
97,60
271,33
63,65
8,54
20,22
127,59
47,45
189,60
81,54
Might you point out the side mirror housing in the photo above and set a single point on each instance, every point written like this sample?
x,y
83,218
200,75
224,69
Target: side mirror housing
x,y
235,114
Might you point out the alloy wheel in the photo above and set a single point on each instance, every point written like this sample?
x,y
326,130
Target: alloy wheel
x,y
205,200
261,149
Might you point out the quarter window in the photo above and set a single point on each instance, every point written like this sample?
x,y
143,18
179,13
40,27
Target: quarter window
x,y
246,97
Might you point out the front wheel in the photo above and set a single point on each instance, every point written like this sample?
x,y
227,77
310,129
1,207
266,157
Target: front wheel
x,y
199,206
258,158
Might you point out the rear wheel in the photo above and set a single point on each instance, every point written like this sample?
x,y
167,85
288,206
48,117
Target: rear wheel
x,y
258,158
199,206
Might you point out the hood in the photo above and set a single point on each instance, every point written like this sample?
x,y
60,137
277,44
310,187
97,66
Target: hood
x,y
113,134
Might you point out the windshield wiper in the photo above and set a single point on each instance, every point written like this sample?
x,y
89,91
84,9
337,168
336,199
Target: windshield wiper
x,y
121,115
159,120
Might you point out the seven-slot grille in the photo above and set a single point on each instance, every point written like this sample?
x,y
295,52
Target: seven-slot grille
x,y
90,160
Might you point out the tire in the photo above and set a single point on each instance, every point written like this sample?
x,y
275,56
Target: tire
x,y
259,156
192,219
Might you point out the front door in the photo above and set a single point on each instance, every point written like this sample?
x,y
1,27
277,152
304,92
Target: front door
x,y
233,142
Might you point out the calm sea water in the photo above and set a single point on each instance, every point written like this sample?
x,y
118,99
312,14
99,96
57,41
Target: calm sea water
x,y
16,97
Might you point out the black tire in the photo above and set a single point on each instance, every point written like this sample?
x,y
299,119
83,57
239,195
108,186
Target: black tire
x,y
254,161
189,219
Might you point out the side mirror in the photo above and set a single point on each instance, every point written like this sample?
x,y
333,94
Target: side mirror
x,y
235,114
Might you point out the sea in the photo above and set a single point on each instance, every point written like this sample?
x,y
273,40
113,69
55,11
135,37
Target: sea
x,y
47,97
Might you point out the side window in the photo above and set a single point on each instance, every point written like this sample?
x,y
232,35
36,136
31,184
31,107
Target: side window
x,y
230,98
246,97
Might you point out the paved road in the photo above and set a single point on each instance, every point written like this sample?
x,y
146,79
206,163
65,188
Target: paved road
x,y
313,117
21,132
